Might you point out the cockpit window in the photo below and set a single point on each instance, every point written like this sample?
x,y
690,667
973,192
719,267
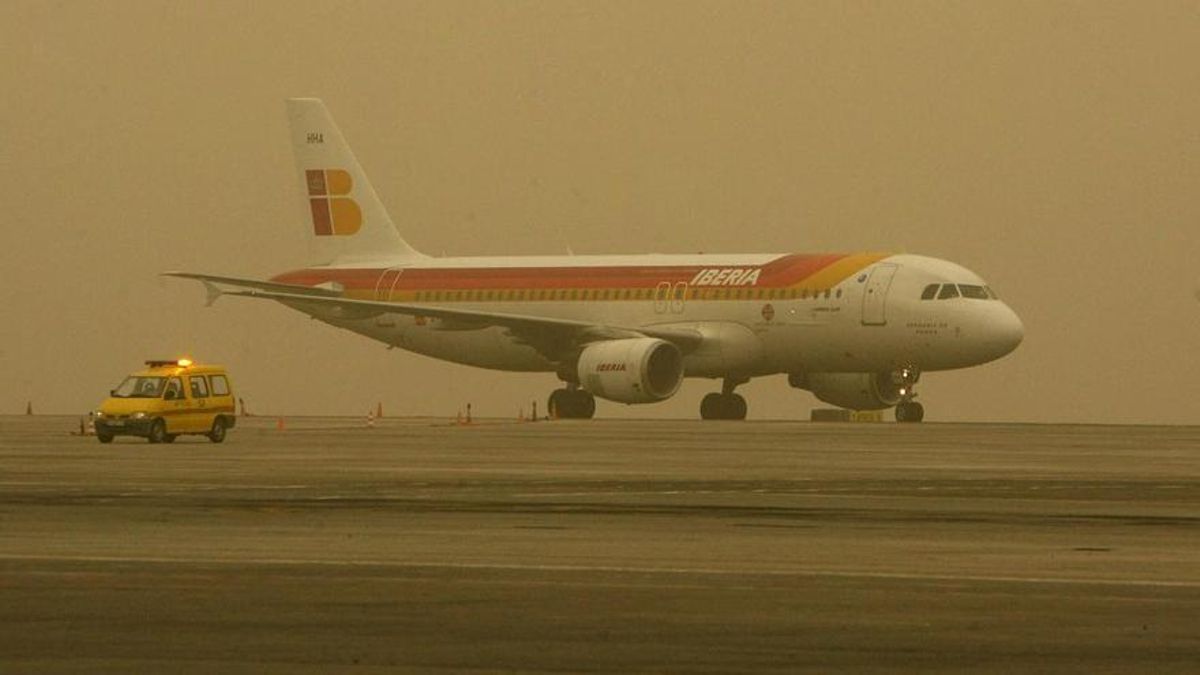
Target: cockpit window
x,y
973,292
991,293
930,292
948,291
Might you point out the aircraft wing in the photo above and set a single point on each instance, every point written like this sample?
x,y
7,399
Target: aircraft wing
x,y
554,338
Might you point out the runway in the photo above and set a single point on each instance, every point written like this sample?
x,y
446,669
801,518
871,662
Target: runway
x,y
602,546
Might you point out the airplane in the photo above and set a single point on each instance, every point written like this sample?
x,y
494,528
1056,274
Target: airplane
x,y
856,330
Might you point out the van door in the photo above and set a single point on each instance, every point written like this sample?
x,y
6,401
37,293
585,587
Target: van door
x,y
222,395
874,304
175,405
199,415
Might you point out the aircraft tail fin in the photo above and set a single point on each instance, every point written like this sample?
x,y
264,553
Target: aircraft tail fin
x,y
346,222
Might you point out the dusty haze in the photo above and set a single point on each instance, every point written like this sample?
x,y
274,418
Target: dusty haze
x,y
1054,148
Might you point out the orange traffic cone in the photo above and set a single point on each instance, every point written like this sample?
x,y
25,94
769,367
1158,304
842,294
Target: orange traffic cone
x,y
279,425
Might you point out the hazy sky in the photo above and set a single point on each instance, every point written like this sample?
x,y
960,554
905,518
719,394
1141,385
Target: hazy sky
x,y
1054,148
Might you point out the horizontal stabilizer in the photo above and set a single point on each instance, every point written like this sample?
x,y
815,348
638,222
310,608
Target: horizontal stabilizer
x,y
212,285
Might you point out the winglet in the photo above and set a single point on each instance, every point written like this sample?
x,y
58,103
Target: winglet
x,y
212,292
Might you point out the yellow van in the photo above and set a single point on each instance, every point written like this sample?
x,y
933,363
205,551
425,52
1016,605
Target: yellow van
x,y
167,399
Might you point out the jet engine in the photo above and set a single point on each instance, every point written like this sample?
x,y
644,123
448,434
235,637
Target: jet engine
x,y
632,370
856,391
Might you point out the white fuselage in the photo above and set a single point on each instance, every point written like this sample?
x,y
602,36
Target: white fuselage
x,y
759,314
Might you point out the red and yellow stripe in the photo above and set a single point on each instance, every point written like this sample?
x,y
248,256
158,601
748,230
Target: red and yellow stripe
x,y
795,275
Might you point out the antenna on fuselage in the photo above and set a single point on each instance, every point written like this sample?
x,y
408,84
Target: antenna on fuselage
x,y
563,236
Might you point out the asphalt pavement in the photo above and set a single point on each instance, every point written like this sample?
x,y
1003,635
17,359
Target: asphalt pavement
x,y
601,546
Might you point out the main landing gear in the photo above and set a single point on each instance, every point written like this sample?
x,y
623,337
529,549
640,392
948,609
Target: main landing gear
x,y
908,410
725,405
571,403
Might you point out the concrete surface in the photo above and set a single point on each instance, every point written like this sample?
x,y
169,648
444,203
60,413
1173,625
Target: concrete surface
x,y
601,546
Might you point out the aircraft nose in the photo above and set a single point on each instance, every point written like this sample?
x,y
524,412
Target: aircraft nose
x,y
1006,330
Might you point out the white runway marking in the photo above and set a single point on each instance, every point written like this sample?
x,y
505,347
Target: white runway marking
x,y
612,569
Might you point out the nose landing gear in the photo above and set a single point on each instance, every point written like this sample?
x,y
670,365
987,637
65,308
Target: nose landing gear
x,y
725,405
908,410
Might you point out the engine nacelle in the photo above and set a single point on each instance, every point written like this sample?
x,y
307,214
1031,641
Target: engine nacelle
x,y
856,391
633,370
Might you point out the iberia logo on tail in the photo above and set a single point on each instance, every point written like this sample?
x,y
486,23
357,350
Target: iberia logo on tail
x,y
333,213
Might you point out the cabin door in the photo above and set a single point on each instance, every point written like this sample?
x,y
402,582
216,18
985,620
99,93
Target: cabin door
x,y
874,304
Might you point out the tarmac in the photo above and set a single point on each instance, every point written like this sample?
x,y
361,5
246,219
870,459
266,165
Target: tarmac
x,y
601,546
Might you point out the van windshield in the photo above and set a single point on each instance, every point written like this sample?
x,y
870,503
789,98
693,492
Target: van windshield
x,y
140,387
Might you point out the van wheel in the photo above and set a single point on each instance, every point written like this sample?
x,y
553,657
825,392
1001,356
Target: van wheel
x,y
218,430
104,437
170,438
158,432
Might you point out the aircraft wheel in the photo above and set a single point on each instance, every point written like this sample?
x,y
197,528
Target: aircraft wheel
x,y
555,407
716,406
736,407
559,404
710,407
572,405
584,404
910,411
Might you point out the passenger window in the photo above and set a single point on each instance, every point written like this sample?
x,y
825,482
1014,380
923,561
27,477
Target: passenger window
x,y
199,387
930,292
948,291
220,386
973,292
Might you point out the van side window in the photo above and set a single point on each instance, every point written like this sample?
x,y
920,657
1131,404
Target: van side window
x,y
948,291
220,386
174,389
930,292
199,387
